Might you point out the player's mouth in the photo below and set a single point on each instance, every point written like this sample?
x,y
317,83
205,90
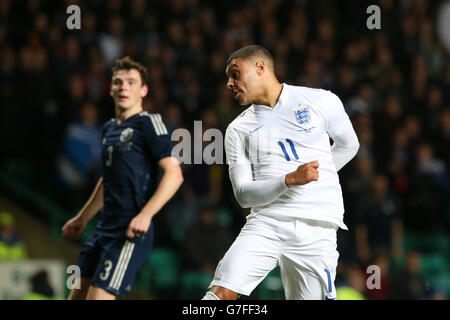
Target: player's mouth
x,y
122,98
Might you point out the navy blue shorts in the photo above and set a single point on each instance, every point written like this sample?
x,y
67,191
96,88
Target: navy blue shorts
x,y
112,263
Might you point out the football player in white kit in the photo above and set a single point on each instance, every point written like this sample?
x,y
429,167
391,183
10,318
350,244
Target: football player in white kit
x,y
283,166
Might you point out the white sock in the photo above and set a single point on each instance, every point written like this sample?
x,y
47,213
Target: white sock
x,y
210,296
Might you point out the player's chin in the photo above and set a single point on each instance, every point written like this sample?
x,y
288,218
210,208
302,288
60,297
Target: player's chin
x,y
123,105
242,101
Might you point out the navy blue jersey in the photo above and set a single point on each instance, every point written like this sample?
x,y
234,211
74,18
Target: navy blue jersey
x,y
130,155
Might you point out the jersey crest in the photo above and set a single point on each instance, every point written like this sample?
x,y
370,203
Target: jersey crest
x,y
303,115
126,135
125,139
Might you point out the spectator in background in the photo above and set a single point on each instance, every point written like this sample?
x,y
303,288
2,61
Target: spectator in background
x,y
408,284
379,227
173,117
224,106
357,181
206,241
205,180
352,285
395,83
443,24
398,162
40,287
11,245
112,41
436,292
443,138
387,119
382,261
74,96
80,161
428,198
363,102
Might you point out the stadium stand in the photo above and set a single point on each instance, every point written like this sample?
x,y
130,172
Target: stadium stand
x,y
394,83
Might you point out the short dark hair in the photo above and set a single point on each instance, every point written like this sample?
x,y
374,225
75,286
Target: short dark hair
x,y
126,63
252,51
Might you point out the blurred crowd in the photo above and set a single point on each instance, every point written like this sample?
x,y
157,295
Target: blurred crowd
x,y
12,246
394,83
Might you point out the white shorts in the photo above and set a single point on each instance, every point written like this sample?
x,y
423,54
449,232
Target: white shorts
x,y
304,249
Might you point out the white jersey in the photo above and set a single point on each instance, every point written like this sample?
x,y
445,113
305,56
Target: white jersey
x,y
267,143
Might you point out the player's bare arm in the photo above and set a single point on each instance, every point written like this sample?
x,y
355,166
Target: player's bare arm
x,y
75,226
170,182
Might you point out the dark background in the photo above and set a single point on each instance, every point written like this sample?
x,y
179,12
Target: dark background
x,y
394,83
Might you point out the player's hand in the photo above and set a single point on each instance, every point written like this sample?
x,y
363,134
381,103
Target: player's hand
x,y
138,226
304,174
73,228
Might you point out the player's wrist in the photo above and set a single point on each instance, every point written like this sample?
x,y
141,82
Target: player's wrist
x,y
83,217
288,180
147,214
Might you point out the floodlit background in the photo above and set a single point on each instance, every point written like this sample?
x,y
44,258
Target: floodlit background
x,y
394,83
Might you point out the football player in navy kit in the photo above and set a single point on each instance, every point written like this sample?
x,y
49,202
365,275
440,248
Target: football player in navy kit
x,y
139,177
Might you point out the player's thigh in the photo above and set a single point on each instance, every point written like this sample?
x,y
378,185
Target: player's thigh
x,y
82,291
309,279
95,293
247,262
308,265
87,262
120,261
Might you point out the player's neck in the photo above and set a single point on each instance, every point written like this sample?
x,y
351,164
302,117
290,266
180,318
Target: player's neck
x,y
123,114
269,97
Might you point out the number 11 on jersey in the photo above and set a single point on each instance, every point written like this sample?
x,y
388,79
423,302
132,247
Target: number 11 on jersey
x,y
283,148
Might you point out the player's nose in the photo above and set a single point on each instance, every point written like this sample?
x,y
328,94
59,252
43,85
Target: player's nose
x,y
230,84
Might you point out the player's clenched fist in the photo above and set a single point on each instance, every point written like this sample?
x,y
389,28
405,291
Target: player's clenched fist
x,y
138,226
73,228
304,174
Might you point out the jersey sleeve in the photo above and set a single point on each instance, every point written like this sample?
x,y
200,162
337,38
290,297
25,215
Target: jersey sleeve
x,y
334,114
249,193
235,149
340,129
156,137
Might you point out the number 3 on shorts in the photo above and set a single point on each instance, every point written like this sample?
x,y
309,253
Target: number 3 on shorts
x,y
108,266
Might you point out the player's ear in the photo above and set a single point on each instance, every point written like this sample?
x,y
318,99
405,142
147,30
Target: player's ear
x,y
260,67
144,90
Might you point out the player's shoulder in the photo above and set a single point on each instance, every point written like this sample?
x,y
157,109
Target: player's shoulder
x,y
147,116
153,121
243,119
109,123
314,97
311,93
